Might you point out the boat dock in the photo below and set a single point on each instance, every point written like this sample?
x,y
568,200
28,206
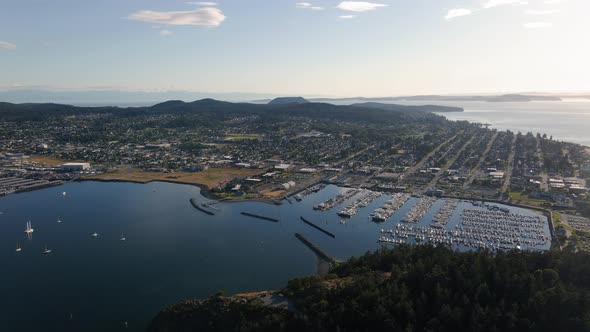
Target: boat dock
x,y
259,216
316,249
198,207
317,227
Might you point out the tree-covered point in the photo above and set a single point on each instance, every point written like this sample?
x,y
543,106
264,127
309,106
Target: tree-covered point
x,y
422,288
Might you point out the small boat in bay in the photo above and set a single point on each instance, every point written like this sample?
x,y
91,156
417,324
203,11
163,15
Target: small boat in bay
x,y
29,229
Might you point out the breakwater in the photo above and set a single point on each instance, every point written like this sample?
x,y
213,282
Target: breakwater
x,y
259,216
316,249
318,227
198,207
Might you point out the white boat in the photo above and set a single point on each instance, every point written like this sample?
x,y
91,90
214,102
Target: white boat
x,y
94,235
122,238
18,248
64,193
58,220
29,229
46,251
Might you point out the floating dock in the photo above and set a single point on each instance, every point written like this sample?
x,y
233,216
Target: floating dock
x,y
317,227
259,216
316,249
198,207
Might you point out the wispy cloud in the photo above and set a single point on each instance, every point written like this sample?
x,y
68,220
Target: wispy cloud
x,y
534,12
496,3
165,32
454,13
7,46
347,17
307,5
359,6
201,16
537,25
202,3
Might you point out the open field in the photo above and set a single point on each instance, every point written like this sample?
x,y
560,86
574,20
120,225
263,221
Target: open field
x,y
519,198
239,137
210,178
47,160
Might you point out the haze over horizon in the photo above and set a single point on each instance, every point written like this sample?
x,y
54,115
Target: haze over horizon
x,y
322,48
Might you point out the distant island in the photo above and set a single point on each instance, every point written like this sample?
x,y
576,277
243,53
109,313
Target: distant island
x,y
422,108
288,100
491,98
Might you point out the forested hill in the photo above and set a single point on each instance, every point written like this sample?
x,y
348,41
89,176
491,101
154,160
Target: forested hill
x,y
213,109
414,288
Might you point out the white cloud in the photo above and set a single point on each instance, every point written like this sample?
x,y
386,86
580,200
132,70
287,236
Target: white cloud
x,y
534,12
537,25
7,46
307,5
496,3
551,2
165,32
453,13
202,3
359,6
347,17
202,16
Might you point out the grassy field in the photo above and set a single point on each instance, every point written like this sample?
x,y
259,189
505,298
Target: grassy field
x,y
519,198
210,178
47,160
239,137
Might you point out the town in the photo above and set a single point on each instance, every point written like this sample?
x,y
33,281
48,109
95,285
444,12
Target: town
x,y
240,154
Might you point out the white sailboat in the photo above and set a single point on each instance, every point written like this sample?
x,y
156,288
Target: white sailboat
x,y
18,248
122,237
94,235
46,251
58,220
64,193
29,229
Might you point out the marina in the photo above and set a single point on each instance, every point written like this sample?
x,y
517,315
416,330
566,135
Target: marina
x,y
419,210
160,231
390,207
366,198
443,216
346,194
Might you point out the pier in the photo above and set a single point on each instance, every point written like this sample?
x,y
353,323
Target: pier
x,y
317,227
196,206
259,216
319,252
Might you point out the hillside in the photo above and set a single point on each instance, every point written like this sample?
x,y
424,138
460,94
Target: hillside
x,y
413,288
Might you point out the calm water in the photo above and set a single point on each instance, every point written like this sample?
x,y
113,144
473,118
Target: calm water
x,y
172,252
565,120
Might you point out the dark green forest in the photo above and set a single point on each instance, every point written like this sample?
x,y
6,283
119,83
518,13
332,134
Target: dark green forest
x,y
413,288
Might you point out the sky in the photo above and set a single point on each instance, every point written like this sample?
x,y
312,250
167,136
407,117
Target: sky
x,y
280,47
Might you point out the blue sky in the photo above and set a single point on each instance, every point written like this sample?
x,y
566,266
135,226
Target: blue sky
x,y
311,48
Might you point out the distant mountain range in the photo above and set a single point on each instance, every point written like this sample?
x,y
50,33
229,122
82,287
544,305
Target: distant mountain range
x,y
146,98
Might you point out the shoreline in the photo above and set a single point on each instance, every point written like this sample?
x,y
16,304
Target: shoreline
x,y
205,192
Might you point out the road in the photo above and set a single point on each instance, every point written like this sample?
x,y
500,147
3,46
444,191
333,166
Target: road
x,y
443,169
473,172
509,168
